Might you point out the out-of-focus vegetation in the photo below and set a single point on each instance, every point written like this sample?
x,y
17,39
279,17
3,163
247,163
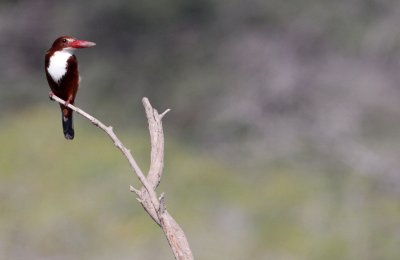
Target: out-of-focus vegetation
x,y
70,200
281,143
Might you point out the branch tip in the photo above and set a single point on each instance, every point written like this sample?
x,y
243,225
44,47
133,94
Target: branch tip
x,y
165,112
133,189
146,102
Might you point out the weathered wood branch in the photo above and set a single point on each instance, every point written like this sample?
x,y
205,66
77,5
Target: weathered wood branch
x,y
147,195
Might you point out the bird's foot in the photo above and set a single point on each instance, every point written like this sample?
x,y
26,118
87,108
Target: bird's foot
x,y
51,94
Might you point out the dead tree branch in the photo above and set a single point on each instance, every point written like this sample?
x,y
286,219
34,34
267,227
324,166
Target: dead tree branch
x,y
147,195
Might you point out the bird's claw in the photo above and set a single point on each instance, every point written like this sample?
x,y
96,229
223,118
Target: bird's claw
x,y
51,94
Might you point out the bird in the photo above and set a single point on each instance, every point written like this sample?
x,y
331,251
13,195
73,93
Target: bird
x,y
62,74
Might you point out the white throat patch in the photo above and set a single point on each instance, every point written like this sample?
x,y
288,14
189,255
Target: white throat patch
x,y
58,64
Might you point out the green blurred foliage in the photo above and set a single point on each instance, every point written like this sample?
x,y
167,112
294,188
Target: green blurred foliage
x,y
63,200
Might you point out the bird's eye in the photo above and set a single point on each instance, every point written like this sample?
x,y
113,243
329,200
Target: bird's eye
x,y
64,40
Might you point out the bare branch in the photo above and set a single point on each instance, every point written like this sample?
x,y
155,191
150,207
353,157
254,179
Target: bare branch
x,y
157,144
146,195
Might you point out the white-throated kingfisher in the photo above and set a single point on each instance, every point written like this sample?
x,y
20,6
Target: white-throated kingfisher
x,y
63,77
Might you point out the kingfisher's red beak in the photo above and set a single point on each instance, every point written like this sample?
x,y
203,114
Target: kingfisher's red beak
x,y
77,44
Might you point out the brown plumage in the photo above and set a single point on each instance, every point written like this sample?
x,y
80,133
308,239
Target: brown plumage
x,y
62,75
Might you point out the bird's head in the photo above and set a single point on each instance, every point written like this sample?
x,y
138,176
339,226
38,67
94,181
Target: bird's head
x,y
70,43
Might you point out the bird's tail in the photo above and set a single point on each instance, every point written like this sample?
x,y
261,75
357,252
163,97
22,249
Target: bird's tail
x,y
67,123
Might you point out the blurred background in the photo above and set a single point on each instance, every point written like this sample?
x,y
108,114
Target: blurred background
x,y
282,142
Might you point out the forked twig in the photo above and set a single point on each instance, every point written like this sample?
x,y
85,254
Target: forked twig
x,y
147,196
